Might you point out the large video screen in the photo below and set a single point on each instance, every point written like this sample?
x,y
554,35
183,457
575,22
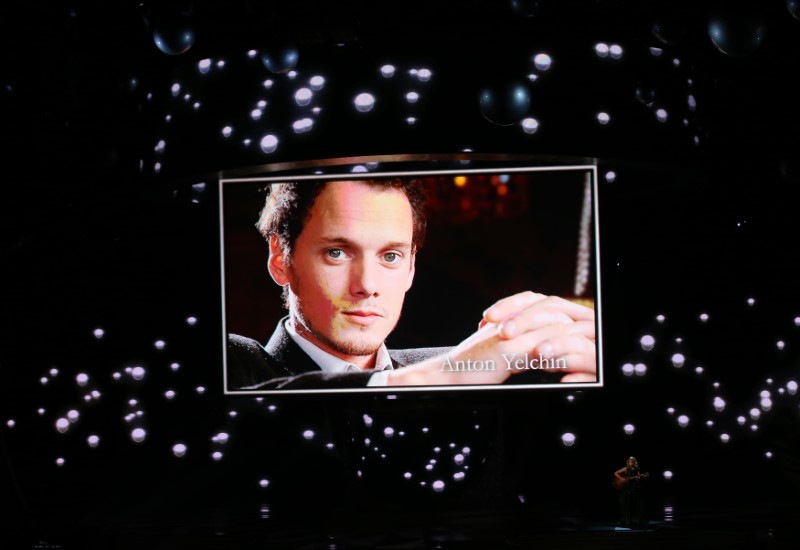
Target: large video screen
x,y
379,281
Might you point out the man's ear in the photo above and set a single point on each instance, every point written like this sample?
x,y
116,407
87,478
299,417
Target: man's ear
x,y
277,265
411,271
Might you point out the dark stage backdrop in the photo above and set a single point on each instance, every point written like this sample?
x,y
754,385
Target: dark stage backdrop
x,y
115,432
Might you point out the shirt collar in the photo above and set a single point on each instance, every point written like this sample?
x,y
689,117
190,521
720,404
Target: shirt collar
x,y
330,363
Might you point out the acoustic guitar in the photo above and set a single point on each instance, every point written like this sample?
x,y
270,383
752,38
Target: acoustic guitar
x,y
620,484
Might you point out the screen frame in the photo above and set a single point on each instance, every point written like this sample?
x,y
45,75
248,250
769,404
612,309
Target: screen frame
x,y
520,166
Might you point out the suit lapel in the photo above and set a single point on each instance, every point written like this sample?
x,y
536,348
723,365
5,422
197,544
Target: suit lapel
x,y
286,355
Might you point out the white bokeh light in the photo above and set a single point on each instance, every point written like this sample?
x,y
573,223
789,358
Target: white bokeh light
x,y
303,125
568,439
227,131
179,450
627,369
137,373
387,71
424,75
269,143
704,317
82,379
255,114
221,437
667,475
316,83
204,65
601,49
303,96
603,118
647,342
661,115
99,333
629,429
683,421
616,51
719,404
640,369
678,360
93,441
542,61
364,102
610,176
159,344
725,438
780,344
308,435
412,97
529,125
138,435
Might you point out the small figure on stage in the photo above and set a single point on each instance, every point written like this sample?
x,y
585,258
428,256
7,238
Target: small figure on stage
x,y
627,481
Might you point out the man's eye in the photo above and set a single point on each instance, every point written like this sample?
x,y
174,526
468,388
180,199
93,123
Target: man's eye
x,y
392,257
335,253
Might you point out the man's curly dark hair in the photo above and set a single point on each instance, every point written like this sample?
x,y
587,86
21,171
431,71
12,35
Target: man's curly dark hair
x,y
288,207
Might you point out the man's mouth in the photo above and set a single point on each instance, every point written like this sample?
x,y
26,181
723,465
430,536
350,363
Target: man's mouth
x,y
363,317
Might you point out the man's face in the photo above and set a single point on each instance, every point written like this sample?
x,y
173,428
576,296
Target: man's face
x,y
350,268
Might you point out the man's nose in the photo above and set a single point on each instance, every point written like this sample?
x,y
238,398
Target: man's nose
x,y
364,278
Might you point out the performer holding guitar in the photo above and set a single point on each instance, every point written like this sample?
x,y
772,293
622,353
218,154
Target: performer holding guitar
x,y
627,480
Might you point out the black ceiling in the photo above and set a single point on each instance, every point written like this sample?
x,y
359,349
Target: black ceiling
x,y
68,116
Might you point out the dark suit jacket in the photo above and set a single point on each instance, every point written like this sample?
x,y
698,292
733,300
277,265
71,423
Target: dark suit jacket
x,y
282,364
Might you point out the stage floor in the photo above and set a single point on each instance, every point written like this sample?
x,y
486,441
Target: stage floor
x,y
767,527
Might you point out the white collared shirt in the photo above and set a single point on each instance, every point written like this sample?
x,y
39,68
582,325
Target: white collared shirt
x,y
330,363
